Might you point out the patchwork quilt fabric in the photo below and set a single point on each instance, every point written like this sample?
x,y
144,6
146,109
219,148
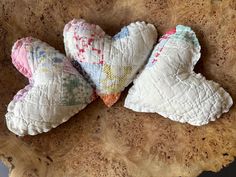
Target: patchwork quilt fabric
x,y
109,63
56,90
169,86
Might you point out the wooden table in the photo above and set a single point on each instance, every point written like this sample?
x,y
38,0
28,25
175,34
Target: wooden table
x,y
114,142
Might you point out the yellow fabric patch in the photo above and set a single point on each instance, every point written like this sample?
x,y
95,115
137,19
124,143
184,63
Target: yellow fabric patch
x,y
114,81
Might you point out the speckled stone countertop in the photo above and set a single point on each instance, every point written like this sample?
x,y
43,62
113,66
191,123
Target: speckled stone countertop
x,y
112,142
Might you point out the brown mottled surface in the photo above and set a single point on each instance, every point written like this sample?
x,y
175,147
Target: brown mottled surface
x,y
117,142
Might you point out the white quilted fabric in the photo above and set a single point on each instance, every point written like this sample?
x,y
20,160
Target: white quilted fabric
x,y
56,90
169,86
110,63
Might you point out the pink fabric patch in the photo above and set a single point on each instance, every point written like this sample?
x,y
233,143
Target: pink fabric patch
x,y
164,37
86,41
23,92
173,31
20,57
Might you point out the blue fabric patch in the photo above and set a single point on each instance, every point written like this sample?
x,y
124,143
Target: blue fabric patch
x,y
41,53
186,33
123,33
38,53
89,71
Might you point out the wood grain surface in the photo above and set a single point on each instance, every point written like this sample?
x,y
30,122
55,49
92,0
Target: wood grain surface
x,y
116,142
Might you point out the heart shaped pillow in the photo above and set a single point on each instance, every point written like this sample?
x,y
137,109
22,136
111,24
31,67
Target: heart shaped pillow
x,y
110,63
169,86
56,90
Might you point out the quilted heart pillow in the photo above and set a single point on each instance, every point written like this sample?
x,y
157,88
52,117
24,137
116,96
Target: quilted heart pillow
x,y
169,86
56,90
110,63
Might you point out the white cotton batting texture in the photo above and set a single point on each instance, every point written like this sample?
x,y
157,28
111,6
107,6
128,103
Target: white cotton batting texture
x,y
169,86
